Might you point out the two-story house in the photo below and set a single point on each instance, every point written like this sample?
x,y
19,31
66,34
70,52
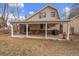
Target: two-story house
x,y
45,23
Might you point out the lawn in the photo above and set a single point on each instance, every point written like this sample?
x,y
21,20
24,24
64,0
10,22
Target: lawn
x,y
33,47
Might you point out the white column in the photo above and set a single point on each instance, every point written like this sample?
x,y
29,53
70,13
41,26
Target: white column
x,y
11,30
46,30
18,28
68,30
26,30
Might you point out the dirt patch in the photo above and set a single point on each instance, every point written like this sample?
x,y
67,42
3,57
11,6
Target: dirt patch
x,y
4,31
34,47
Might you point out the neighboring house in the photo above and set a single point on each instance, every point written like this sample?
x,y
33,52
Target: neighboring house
x,y
74,25
46,22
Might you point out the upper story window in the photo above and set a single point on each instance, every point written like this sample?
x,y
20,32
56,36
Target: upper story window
x,y
52,14
42,15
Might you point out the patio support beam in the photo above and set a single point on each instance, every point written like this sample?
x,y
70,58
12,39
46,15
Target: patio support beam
x,y
68,31
18,29
27,30
46,31
11,30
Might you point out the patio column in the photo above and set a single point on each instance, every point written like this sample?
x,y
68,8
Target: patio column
x,y
46,30
11,30
18,28
68,30
26,30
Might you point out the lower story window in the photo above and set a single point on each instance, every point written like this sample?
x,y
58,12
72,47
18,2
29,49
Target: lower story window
x,y
41,26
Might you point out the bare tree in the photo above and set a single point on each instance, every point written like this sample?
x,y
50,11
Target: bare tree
x,y
4,14
17,7
74,10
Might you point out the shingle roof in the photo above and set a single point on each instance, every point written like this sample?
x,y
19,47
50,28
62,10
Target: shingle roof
x,y
74,17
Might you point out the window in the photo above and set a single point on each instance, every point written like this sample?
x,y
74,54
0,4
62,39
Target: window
x,y
52,14
41,26
42,15
25,28
53,25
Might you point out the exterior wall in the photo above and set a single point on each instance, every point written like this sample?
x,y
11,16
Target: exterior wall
x,y
64,27
21,27
48,17
52,26
35,26
35,29
75,24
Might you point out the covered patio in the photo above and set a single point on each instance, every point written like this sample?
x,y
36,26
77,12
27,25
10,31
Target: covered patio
x,y
44,33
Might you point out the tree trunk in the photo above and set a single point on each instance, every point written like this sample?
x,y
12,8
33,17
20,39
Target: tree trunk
x,y
4,14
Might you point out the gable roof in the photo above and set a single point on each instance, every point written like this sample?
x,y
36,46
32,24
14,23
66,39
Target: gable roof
x,y
74,17
43,9
26,21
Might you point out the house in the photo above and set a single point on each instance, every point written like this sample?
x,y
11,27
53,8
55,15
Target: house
x,y
45,23
74,25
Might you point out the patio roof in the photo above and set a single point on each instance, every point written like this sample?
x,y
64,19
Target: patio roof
x,y
39,22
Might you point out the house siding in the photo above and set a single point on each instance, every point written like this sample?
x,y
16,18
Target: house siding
x,y
75,24
65,27
48,17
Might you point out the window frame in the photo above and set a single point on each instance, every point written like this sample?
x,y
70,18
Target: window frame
x,y
52,14
42,15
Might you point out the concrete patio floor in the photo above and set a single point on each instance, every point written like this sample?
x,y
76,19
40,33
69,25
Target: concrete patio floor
x,y
53,37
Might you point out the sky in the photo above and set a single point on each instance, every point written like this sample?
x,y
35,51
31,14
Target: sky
x,y
30,8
